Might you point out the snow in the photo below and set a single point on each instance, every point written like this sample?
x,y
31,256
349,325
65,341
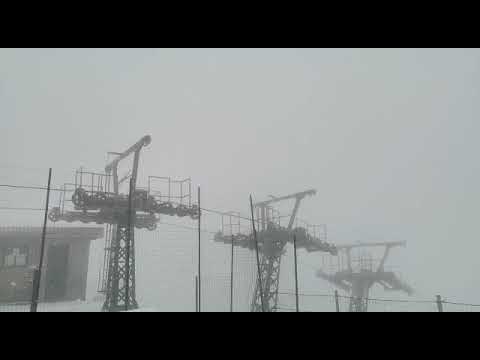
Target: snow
x,y
70,306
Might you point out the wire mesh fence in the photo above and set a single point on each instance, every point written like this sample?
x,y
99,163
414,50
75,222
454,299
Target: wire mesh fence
x,y
307,303
287,303
388,305
15,307
229,270
167,257
167,261
459,307
64,306
328,303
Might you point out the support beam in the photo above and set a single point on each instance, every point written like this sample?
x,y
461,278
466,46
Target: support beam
x,y
294,214
384,258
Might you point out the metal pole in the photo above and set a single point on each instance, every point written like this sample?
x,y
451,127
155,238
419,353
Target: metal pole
x,y
127,246
199,254
439,303
38,272
337,305
296,271
231,278
258,259
196,293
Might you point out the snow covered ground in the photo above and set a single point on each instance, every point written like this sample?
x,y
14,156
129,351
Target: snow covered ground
x,y
70,306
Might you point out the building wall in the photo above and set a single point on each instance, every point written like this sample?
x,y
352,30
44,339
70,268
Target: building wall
x,y
78,269
23,289
20,276
76,276
78,241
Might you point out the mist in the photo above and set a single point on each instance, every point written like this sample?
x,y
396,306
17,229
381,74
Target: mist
x,y
387,137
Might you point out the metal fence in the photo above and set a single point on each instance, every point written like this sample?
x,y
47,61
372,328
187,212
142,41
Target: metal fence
x,y
167,261
216,301
339,303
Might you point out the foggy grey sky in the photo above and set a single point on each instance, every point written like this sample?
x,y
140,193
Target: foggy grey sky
x,y
388,137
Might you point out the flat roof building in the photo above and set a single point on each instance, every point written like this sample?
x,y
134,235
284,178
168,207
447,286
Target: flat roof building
x,y
65,267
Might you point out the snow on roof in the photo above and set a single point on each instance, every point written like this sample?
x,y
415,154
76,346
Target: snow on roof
x,y
53,232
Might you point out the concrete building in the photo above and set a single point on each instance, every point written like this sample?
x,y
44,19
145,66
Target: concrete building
x,y
64,275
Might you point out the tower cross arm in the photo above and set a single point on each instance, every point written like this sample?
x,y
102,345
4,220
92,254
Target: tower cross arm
x,y
144,141
299,195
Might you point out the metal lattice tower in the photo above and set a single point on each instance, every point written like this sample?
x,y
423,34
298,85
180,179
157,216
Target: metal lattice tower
x,y
120,289
270,274
99,200
358,282
116,287
272,239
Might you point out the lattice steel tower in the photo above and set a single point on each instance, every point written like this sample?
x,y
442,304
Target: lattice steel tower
x,y
96,198
120,287
357,280
272,239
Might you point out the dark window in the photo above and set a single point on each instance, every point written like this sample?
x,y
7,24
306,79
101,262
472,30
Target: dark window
x,y
17,256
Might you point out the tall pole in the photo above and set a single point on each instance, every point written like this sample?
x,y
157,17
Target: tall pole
x,y
296,271
258,258
196,293
231,278
199,254
337,304
439,303
38,272
127,247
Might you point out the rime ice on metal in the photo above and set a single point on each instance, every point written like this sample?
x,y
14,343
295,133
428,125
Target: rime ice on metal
x,y
357,276
96,199
272,239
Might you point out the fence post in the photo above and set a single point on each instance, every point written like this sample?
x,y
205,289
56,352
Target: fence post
x,y
231,278
199,254
296,272
439,303
196,293
35,290
38,273
337,305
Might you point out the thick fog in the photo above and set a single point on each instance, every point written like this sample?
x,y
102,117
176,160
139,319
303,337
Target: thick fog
x,y
387,137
